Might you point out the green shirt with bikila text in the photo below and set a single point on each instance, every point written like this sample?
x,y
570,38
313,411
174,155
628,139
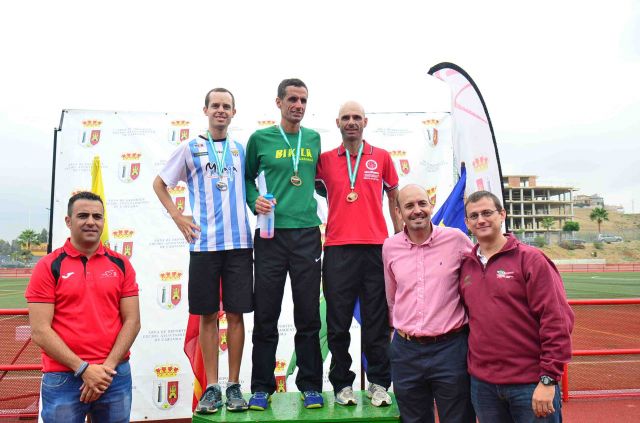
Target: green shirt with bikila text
x,y
267,151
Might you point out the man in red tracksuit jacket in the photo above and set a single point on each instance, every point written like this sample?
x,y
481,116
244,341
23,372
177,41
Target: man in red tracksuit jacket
x,y
519,321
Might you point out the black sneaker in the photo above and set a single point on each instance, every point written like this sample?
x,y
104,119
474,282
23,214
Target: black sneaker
x,y
210,400
235,400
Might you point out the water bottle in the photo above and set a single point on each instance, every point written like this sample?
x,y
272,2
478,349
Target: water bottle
x,y
267,221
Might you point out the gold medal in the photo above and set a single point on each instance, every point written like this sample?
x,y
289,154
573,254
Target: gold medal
x,y
296,181
353,196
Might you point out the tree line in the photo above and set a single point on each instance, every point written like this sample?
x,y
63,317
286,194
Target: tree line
x,y
19,249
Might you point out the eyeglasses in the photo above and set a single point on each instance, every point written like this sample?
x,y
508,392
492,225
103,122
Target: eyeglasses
x,y
483,213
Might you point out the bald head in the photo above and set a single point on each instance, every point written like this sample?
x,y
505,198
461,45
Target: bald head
x,y
351,106
414,207
351,121
412,190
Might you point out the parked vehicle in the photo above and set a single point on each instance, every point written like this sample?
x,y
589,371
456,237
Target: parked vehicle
x,y
609,238
572,244
12,264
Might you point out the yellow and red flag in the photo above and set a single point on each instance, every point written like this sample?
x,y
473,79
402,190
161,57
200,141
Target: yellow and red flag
x,y
97,187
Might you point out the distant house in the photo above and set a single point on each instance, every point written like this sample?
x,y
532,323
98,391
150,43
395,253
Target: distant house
x,y
528,203
38,250
594,200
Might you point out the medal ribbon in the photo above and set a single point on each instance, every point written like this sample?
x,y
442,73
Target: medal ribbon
x,y
219,160
352,175
295,159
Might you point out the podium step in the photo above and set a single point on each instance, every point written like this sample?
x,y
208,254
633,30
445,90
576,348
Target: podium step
x,y
287,407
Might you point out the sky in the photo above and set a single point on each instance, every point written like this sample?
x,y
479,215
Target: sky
x,y
560,79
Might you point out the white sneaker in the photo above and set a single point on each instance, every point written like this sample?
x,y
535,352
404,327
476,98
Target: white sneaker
x,y
379,396
345,396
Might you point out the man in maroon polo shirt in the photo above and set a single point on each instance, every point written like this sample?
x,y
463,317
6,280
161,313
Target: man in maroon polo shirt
x,y
519,319
84,314
354,176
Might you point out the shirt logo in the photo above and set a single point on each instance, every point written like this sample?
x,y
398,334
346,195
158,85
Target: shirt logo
x,y
371,164
109,274
371,175
287,153
501,274
67,275
211,171
467,280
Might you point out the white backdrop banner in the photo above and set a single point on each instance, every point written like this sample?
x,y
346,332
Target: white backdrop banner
x,y
133,147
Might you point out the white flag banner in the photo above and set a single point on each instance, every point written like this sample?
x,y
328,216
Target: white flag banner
x,y
473,138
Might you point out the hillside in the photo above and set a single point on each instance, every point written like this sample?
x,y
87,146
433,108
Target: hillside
x,y
618,223
620,252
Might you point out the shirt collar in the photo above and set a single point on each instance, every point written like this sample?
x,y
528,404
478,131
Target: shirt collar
x,y
367,149
71,250
435,231
512,243
481,257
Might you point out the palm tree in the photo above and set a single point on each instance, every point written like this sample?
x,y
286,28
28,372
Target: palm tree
x,y
28,237
22,256
599,214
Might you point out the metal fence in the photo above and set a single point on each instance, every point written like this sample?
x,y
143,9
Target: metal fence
x,y
606,350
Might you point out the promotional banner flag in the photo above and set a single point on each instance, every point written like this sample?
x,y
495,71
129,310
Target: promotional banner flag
x,y
358,317
324,343
97,187
451,213
193,352
474,141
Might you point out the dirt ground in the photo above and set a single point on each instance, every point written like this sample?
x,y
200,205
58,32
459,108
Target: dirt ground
x,y
616,223
619,252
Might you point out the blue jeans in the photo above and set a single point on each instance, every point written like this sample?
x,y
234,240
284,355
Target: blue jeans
x,y
61,398
509,403
424,372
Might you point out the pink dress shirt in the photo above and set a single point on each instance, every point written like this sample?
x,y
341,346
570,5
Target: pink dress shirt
x,y
421,281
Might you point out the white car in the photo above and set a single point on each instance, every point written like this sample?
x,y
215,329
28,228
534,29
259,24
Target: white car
x,y
609,238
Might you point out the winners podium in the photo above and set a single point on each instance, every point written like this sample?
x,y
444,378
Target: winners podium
x,y
287,407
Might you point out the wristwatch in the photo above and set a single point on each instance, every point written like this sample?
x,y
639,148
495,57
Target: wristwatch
x,y
548,381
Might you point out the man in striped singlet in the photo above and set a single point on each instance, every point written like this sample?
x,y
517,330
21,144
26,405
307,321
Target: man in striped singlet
x,y
220,244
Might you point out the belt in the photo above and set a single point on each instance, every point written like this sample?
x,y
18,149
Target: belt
x,y
433,339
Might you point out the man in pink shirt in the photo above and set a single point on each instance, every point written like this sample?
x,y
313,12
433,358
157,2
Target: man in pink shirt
x,y
429,348
519,318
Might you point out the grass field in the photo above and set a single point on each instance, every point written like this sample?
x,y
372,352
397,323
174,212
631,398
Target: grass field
x,y
602,285
12,292
578,285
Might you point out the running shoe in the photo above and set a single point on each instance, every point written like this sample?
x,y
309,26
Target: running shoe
x,y
345,396
259,401
379,396
235,400
210,400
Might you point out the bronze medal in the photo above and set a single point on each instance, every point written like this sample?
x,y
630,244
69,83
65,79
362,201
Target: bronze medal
x,y
353,196
296,181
